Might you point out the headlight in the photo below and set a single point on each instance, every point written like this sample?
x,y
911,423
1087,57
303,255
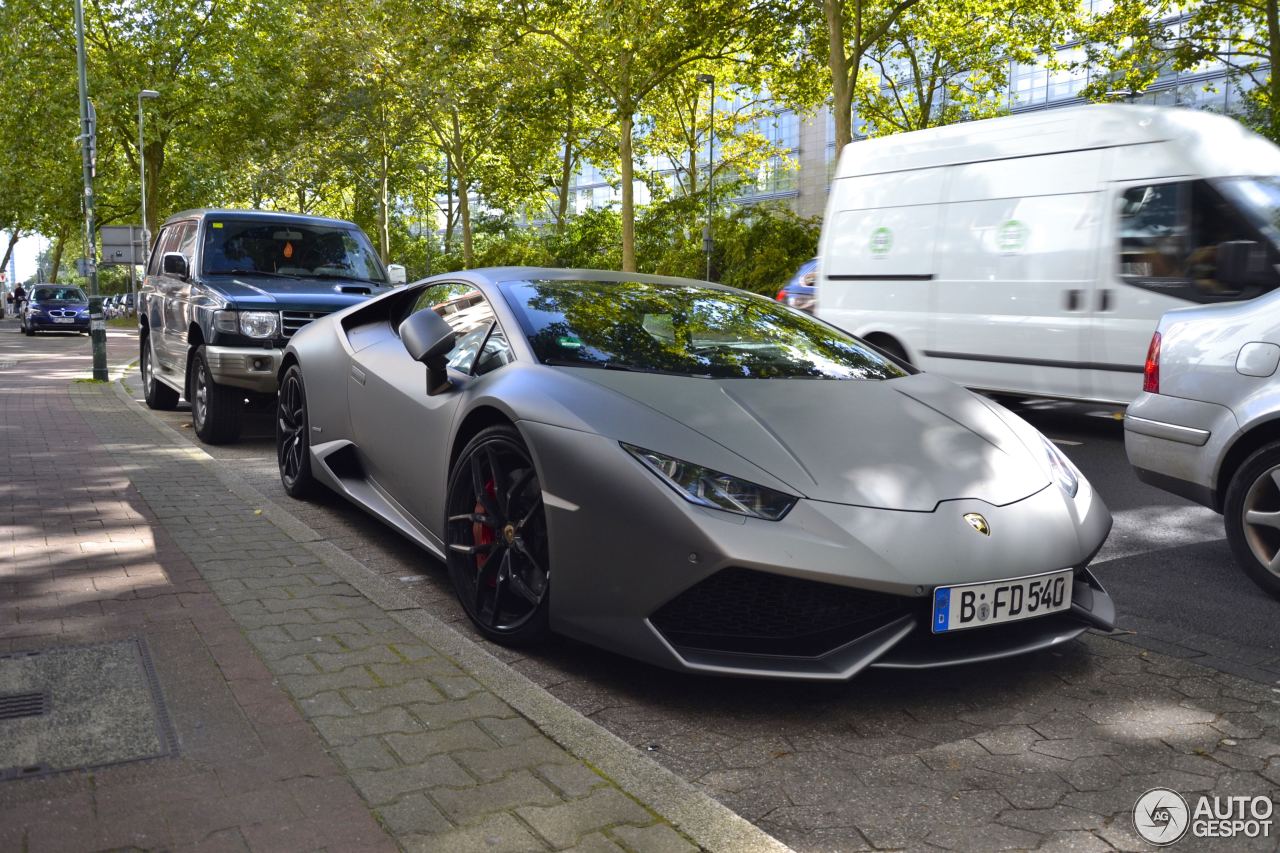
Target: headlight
x,y
259,324
712,489
1064,473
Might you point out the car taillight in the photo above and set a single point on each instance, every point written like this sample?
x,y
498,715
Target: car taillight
x,y
1151,371
782,295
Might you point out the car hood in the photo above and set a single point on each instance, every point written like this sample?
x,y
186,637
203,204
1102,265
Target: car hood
x,y
328,294
903,444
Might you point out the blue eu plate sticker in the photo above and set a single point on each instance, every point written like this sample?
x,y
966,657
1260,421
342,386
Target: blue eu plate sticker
x,y
941,609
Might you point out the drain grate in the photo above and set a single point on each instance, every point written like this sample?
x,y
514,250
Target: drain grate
x,y
17,705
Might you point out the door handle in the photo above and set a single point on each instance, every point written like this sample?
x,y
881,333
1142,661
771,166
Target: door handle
x,y
1073,299
1104,300
357,374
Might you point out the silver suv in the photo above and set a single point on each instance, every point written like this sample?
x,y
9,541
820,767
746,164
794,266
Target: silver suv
x,y
1207,425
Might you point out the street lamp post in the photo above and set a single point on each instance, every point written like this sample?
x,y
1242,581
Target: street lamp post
x,y
144,95
707,242
97,328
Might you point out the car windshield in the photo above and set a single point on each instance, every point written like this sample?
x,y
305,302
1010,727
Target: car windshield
x,y
58,294
293,249
1258,199
685,330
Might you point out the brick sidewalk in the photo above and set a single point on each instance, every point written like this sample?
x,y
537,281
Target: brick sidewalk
x,y
306,717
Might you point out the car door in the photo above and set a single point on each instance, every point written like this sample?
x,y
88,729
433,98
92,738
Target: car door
x,y
1164,235
399,429
154,286
177,295
1016,263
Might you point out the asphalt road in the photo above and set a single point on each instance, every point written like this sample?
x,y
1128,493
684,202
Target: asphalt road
x,y
821,766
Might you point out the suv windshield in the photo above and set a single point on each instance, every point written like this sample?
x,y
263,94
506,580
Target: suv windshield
x,y
685,330
294,249
58,294
1258,199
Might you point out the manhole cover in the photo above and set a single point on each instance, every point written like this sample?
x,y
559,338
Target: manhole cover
x,y
81,706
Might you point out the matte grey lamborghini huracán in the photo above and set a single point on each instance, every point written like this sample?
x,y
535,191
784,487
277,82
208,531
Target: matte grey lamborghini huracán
x,y
691,475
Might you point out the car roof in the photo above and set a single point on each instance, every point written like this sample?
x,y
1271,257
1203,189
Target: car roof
x,y
494,275
264,215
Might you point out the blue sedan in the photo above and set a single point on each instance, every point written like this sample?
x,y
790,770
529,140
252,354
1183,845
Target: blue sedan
x,y
55,308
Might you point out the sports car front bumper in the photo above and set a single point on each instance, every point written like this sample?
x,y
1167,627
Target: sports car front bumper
x,y
822,594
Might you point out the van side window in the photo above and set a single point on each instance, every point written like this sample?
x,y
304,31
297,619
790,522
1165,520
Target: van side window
x,y
153,267
1169,238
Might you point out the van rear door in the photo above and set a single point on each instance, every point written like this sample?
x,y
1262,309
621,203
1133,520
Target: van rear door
x,y
1016,266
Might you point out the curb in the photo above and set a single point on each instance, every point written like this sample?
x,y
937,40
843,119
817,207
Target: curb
x,y
709,823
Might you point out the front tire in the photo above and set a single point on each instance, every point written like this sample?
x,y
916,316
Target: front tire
x,y
1251,512
158,395
215,409
293,436
496,538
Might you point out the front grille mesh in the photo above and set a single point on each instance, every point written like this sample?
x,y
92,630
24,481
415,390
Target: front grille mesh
x,y
749,612
292,321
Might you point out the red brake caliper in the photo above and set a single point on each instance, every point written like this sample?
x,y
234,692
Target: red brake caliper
x,y
482,535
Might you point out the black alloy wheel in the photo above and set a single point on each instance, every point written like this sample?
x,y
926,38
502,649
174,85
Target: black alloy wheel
x,y
496,538
293,446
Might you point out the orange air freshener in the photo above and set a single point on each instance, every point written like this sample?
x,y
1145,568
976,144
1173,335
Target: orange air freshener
x,y
288,250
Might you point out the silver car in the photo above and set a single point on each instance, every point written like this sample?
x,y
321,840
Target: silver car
x,y
1207,425
691,475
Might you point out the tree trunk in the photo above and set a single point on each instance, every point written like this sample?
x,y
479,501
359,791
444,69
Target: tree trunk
x,y
55,260
625,122
464,214
302,199
155,163
448,210
1273,49
384,205
13,241
566,172
841,84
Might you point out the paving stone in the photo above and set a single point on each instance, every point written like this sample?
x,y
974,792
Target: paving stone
x,y
383,786
514,729
368,753
465,805
500,833
982,838
412,748
1048,820
563,824
658,838
497,762
408,693
472,708
573,780
344,730
414,814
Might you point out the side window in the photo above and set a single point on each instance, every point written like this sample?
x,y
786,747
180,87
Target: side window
x,y
1169,238
187,243
169,242
157,252
469,313
1154,225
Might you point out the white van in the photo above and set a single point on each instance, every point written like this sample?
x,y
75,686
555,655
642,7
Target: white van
x,y
1034,254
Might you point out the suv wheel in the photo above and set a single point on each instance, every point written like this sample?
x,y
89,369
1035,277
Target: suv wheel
x,y
158,395
215,409
1252,515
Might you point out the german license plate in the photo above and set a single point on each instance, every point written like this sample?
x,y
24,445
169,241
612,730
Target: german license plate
x,y
977,605
64,319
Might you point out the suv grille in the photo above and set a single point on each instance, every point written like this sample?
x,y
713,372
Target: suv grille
x,y
750,612
292,321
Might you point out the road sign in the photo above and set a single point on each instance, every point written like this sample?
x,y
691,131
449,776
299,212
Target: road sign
x,y
121,245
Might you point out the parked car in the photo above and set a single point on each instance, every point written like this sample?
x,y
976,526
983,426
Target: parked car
x,y
109,309
1207,425
223,293
54,308
565,419
800,291
127,305
1034,254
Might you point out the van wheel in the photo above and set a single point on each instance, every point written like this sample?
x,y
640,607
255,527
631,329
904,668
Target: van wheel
x,y
890,347
158,395
1251,512
215,409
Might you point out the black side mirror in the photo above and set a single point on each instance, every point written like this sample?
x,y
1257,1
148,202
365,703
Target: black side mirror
x,y
175,263
428,339
1242,264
